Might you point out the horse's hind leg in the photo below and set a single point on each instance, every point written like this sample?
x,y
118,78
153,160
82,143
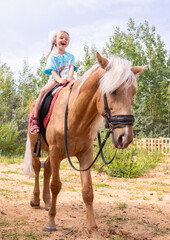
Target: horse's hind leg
x,y
87,192
35,201
46,189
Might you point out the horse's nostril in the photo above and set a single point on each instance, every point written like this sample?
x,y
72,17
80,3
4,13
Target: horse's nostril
x,y
120,140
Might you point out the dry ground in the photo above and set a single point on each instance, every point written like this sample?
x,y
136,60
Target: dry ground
x,y
125,209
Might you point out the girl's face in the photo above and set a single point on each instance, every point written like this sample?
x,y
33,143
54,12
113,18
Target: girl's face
x,y
62,40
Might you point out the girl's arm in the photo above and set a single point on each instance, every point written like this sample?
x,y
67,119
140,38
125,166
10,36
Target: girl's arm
x,y
63,80
71,73
57,78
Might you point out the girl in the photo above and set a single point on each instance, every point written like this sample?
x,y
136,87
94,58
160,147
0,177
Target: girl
x,y
60,65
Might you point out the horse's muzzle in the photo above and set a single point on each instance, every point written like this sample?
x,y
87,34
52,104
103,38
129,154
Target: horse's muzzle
x,y
122,137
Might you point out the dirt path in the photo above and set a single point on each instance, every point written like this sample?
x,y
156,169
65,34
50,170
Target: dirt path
x,y
125,209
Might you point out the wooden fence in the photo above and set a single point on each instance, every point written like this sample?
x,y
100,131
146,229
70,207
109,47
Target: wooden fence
x,y
150,144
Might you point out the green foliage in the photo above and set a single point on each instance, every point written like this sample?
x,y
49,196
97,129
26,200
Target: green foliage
x,y
27,85
14,234
8,137
131,162
10,159
7,92
122,206
142,46
41,77
88,61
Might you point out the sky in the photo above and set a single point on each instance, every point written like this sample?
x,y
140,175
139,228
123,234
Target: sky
x,y
25,25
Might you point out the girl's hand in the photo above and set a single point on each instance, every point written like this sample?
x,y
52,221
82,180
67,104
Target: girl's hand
x,y
64,80
69,79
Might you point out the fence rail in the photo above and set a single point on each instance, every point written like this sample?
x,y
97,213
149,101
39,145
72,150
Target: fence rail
x,y
150,144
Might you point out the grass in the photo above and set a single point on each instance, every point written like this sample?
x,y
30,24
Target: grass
x,y
10,160
13,234
129,163
4,223
20,222
100,185
157,230
159,210
10,194
5,191
12,231
158,191
10,172
118,238
161,184
122,206
27,183
6,179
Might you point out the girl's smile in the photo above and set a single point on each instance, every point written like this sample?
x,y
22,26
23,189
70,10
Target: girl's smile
x,y
62,41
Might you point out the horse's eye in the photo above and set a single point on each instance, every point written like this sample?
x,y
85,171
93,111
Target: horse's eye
x,y
114,92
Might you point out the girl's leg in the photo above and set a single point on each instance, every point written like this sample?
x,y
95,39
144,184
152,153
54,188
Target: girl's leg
x,y
34,125
46,88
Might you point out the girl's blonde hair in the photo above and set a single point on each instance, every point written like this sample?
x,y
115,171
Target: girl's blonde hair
x,y
53,44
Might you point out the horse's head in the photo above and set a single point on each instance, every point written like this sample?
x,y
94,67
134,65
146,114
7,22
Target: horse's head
x,y
117,88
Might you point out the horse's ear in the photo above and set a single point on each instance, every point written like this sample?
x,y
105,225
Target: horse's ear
x,y
103,62
138,69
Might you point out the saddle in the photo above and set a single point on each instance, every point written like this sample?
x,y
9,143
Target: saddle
x,y
45,109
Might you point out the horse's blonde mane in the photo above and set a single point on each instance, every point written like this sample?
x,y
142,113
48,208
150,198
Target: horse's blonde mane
x,y
85,76
117,72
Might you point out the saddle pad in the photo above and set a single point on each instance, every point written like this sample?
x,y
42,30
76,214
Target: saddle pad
x,y
47,118
46,107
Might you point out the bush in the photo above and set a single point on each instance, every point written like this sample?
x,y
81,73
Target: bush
x,y
130,162
8,137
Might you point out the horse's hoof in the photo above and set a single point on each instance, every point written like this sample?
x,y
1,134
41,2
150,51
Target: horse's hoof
x,y
34,204
49,229
47,208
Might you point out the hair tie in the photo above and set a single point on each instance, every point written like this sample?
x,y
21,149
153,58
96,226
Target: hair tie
x,y
52,36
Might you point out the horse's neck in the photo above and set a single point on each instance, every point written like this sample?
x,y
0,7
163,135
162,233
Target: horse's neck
x,y
84,108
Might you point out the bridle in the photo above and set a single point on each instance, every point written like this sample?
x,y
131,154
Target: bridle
x,y
112,122
116,121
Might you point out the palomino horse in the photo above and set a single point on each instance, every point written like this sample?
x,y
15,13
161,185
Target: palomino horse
x,y
117,79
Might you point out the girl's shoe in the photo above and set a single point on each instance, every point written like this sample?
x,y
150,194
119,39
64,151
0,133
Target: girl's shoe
x,y
34,127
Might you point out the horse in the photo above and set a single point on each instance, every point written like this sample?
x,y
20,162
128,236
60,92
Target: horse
x,y
116,78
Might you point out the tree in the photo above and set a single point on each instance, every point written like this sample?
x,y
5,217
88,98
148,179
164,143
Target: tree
x,y
8,127
27,85
41,77
142,46
88,60
8,137
7,93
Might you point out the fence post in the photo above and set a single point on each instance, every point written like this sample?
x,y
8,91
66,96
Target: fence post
x,y
161,144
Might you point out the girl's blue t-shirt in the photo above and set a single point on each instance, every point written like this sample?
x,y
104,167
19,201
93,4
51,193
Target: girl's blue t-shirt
x,y
58,62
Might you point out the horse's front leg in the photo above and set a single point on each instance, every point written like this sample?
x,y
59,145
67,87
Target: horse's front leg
x,y
85,160
46,189
55,188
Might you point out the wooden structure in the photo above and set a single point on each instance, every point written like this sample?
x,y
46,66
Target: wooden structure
x,y
154,144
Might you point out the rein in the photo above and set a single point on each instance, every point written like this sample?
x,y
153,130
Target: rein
x,y
112,122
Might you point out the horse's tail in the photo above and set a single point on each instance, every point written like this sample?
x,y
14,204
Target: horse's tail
x,y
28,168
